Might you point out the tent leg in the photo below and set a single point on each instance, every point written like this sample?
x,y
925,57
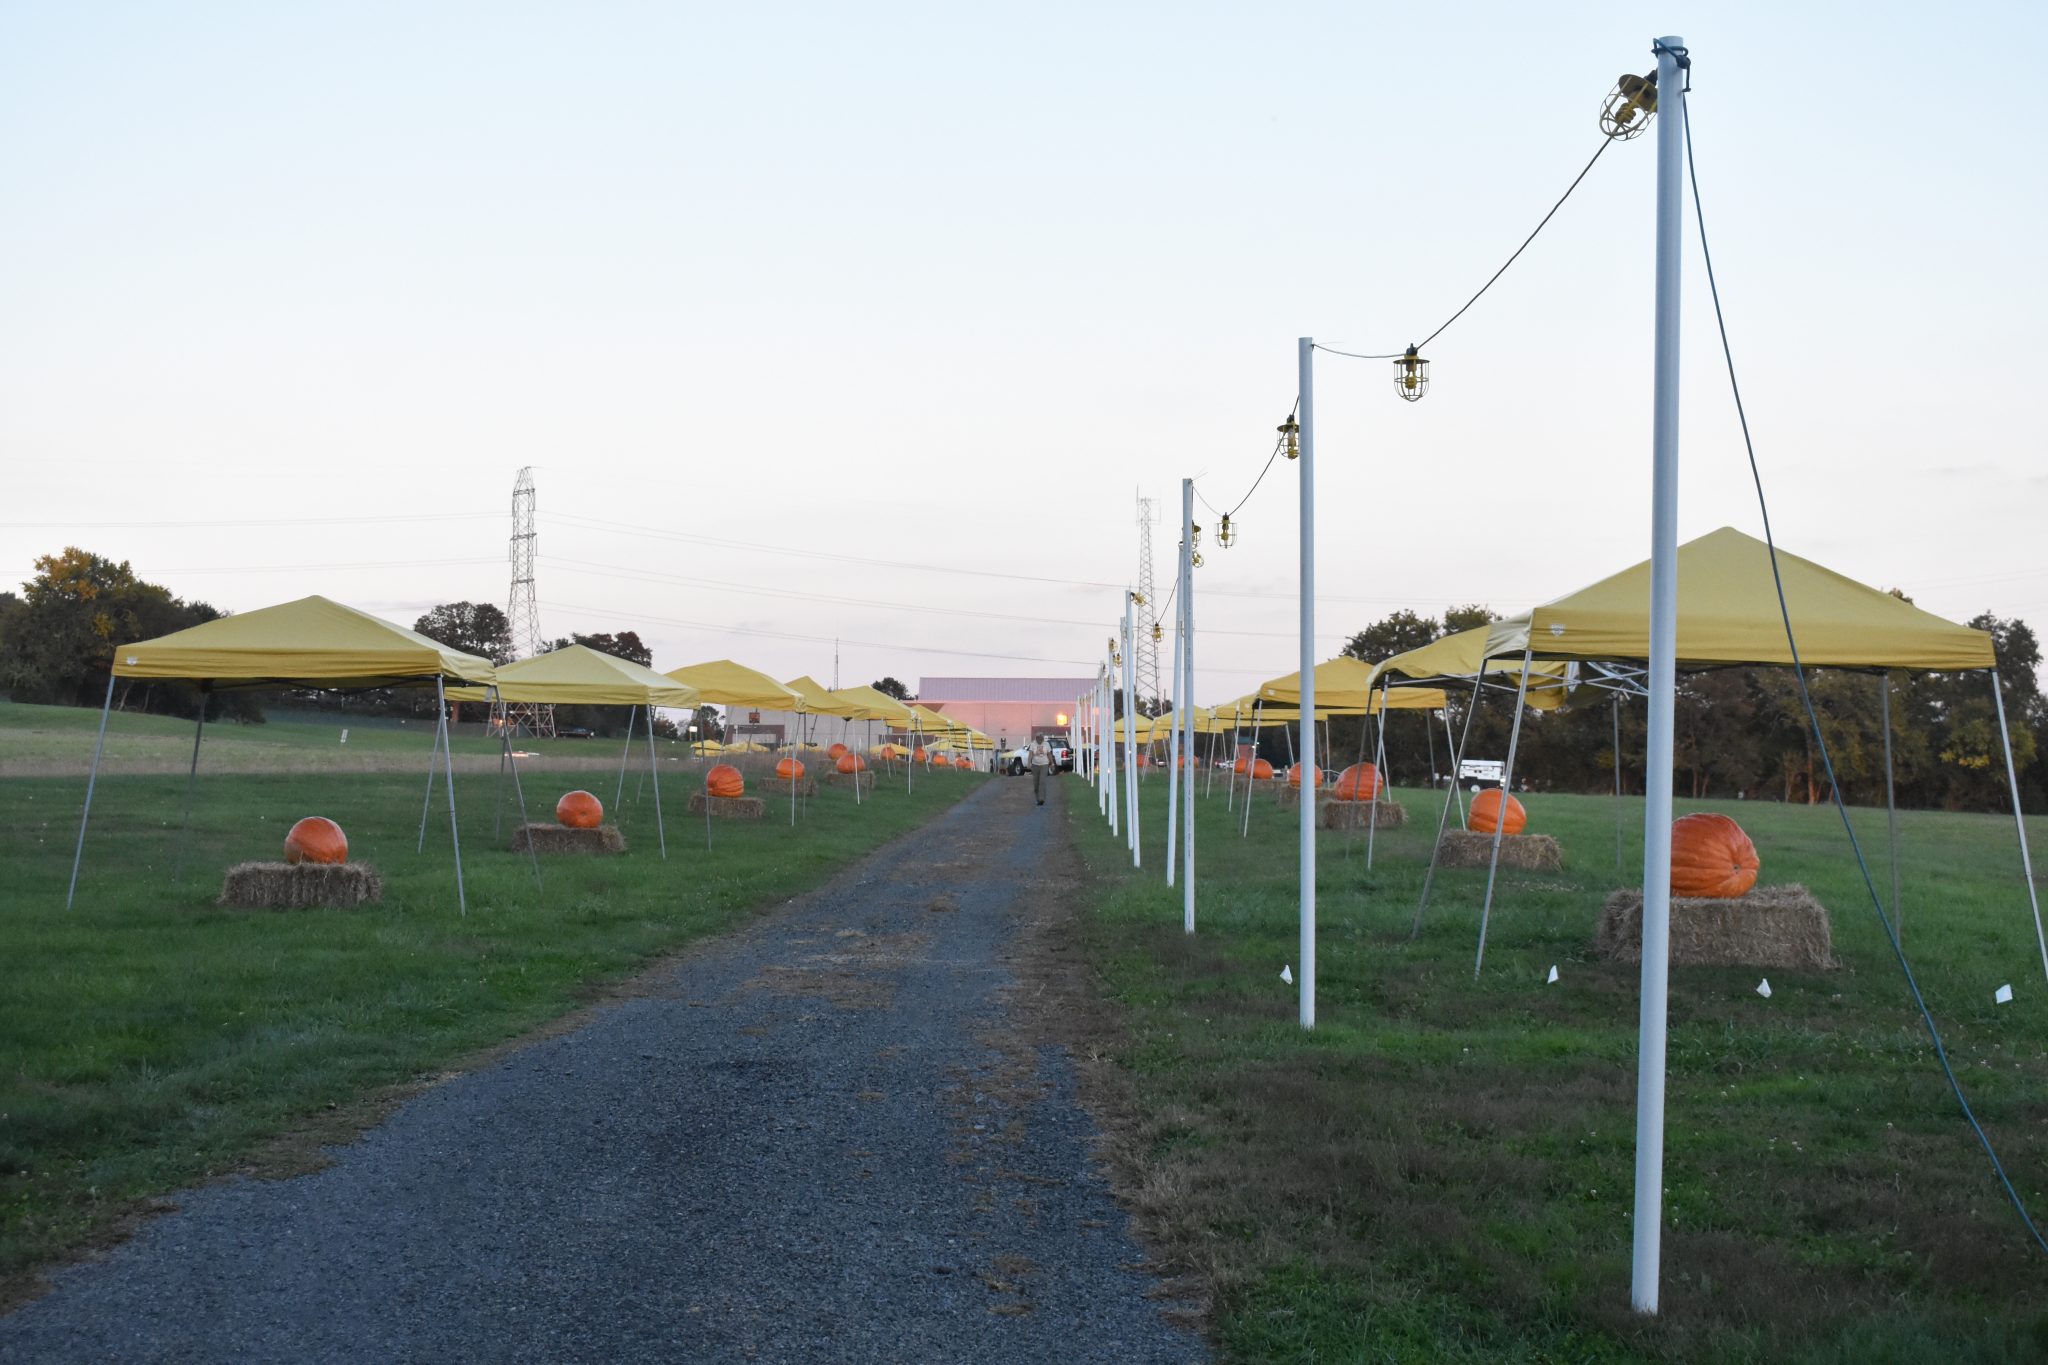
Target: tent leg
x,y
1500,825
92,779
428,803
1350,834
654,780
191,781
1251,768
626,749
519,790
1443,820
1891,804
2019,819
1617,778
448,758
505,760
1372,814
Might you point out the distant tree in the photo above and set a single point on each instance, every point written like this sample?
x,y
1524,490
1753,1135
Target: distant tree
x,y
624,645
889,687
57,639
1395,634
472,627
1468,617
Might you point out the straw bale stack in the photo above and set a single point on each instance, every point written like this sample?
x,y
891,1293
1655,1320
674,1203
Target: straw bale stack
x,y
1360,814
866,780
1772,926
729,807
300,886
549,839
779,786
1524,852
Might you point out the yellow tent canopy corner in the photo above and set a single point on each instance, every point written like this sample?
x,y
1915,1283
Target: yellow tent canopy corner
x,y
314,641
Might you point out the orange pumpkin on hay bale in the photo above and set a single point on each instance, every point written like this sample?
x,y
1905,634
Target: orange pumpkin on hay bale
x,y
789,769
725,781
318,840
1719,915
1359,782
851,763
579,810
835,751
1487,817
1315,776
1711,857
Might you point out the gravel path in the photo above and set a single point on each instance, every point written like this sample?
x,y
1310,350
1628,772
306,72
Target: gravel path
x,y
827,1138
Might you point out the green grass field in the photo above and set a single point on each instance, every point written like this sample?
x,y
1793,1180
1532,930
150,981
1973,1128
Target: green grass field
x,y
1443,1169
150,1039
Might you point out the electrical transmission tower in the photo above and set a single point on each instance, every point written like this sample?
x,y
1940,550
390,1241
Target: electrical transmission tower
x,y
1146,660
524,610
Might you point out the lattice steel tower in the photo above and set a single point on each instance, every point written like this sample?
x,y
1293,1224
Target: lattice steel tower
x,y
1146,660
524,610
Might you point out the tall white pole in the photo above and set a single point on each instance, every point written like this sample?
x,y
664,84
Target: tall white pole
x,y
1305,361
1184,708
1116,815
1180,701
1131,791
1657,779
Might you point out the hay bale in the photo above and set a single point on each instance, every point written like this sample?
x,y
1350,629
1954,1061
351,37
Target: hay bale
x,y
1360,814
729,807
300,886
778,786
1772,926
1526,852
552,839
866,780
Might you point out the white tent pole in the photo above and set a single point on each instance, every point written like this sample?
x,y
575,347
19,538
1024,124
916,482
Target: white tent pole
x,y
1236,748
1184,713
1251,766
92,778
1379,783
448,757
1443,819
427,804
654,777
191,781
1891,802
1305,363
624,750
1173,749
506,760
1616,698
499,721
2019,820
1500,823
1131,792
1657,775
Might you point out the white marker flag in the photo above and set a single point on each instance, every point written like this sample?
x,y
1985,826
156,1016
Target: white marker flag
x,y
1553,975
1287,973
1763,988
2004,995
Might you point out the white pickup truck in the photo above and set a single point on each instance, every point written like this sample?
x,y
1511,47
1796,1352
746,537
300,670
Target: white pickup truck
x,y
1017,762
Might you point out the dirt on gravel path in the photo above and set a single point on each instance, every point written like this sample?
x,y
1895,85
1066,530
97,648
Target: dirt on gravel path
x,y
852,1132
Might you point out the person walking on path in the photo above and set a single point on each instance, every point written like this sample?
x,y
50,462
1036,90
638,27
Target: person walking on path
x,y
1041,765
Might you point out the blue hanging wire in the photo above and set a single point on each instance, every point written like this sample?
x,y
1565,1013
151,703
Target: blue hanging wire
x,y
1813,716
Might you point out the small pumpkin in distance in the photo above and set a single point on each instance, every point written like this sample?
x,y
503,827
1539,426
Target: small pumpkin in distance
x,y
725,780
789,769
1294,778
835,751
579,810
1262,771
1487,817
851,763
316,839
1359,782
1711,857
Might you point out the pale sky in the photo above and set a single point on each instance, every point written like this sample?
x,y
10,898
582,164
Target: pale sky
x,y
927,293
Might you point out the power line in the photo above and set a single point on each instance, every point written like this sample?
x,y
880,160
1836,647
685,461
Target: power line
x,y
1584,171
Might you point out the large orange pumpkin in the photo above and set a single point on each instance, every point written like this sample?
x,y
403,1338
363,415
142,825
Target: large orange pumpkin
x,y
1486,814
316,839
851,763
1262,771
835,751
1359,782
725,780
967,763
789,769
1315,776
919,755
1711,856
579,810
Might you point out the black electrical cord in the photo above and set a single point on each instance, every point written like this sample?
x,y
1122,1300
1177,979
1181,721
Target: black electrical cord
x,y
1813,716
1278,446
1584,171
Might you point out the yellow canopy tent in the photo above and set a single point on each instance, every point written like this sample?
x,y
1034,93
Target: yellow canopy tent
x,y
1463,656
577,675
312,642
721,682
875,705
1728,614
